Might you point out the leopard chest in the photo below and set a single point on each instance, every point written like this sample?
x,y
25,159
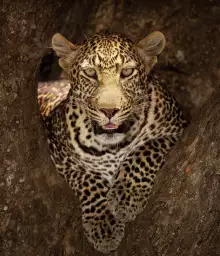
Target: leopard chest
x,y
106,165
68,159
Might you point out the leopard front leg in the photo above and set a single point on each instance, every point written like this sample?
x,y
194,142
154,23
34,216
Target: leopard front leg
x,y
102,229
134,182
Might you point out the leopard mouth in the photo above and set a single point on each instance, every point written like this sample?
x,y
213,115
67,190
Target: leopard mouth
x,y
111,128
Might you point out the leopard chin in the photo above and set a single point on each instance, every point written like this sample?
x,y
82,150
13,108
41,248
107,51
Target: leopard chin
x,y
110,138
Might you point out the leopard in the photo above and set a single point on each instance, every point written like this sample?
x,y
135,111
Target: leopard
x,y
110,127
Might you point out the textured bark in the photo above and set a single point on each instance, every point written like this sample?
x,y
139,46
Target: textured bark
x,y
38,213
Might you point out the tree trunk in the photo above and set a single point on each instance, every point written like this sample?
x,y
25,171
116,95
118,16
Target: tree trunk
x,y
38,212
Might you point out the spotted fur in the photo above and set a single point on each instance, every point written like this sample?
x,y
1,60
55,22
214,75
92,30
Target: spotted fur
x,y
50,95
112,173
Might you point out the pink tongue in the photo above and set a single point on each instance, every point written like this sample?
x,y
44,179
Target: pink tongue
x,y
110,126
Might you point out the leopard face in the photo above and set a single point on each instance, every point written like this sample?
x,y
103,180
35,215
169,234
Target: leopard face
x,y
108,77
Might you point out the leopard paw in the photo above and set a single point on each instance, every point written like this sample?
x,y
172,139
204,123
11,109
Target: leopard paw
x,y
103,230
124,205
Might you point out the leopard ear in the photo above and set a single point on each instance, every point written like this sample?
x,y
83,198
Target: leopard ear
x,y
64,49
150,47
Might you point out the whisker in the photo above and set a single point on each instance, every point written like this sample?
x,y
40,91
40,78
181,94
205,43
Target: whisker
x,y
140,104
84,33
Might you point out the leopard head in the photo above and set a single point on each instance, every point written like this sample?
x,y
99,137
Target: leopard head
x,y
108,74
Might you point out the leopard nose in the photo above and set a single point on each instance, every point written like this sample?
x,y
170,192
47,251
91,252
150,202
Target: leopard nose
x,y
109,112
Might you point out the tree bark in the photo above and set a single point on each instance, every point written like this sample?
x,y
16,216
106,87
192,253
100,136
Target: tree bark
x,y
38,212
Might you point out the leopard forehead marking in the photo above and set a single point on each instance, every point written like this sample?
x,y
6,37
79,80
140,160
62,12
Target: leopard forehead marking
x,y
108,56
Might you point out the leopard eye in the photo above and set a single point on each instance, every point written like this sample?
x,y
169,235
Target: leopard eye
x,y
90,72
127,72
